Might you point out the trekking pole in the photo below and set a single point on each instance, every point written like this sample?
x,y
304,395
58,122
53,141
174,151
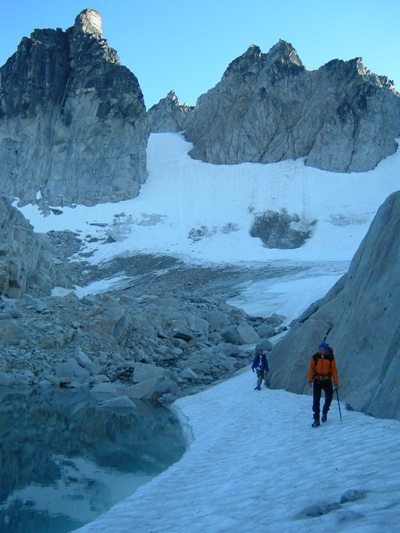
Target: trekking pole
x,y
340,412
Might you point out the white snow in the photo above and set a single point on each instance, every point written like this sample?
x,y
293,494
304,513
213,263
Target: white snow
x,y
254,463
176,200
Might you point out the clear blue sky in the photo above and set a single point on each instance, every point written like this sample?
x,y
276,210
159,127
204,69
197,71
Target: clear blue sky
x,y
185,45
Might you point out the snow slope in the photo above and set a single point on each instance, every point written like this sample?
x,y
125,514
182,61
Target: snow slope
x,y
221,201
255,464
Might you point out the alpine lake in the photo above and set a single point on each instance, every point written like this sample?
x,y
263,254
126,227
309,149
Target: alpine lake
x,y
66,459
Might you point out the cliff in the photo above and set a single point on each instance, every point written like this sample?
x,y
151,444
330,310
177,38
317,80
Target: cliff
x,y
268,107
359,318
73,125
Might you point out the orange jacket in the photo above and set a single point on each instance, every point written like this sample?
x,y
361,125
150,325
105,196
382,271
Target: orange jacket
x,y
322,368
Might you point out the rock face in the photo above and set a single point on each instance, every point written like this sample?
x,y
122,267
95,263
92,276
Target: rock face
x,y
25,259
281,230
268,107
73,125
359,317
168,115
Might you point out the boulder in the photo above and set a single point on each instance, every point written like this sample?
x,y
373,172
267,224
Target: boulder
x,y
6,379
265,331
240,334
71,371
25,261
119,405
85,362
217,319
144,372
152,389
359,319
12,333
102,391
188,373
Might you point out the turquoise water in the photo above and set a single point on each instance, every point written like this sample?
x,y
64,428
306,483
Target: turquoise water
x,y
65,459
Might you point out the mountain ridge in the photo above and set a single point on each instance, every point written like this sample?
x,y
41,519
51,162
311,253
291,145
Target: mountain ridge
x,y
268,108
359,107
67,103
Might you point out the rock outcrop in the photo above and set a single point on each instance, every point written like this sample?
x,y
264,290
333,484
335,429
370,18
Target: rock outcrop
x,y
268,107
25,258
153,345
168,115
73,126
359,317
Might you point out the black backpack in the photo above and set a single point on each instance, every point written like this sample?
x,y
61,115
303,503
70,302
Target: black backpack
x,y
330,356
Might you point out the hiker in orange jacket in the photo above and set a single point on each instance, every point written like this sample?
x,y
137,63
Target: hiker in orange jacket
x,y
320,374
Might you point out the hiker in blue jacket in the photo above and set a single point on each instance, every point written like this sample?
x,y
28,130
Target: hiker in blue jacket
x,y
260,365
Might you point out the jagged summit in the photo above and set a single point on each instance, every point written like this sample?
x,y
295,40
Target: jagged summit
x,y
268,107
89,21
249,59
351,67
168,114
282,54
172,97
355,67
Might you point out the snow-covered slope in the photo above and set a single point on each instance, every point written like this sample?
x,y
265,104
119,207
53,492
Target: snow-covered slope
x,y
256,465
203,213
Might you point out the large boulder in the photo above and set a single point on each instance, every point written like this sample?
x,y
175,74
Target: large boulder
x,y
268,107
73,125
359,317
25,258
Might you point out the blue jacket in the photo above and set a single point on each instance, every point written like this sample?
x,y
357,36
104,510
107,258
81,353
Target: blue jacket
x,y
261,365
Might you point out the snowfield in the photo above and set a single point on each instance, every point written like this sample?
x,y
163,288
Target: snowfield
x,y
202,213
256,464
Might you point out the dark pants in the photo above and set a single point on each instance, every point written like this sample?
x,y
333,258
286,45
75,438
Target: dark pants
x,y
319,386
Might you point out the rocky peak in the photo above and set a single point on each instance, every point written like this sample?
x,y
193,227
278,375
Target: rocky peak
x,y
173,100
168,114
353,67
171,97
86,41
281,56
250,60
89,22
65,97
268,107
283,53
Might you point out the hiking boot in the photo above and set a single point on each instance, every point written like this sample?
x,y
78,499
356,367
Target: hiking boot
x,y
257,388
315,424
324,417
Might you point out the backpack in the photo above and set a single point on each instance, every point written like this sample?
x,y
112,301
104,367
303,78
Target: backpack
x,y
330,356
